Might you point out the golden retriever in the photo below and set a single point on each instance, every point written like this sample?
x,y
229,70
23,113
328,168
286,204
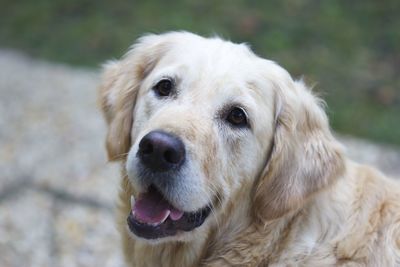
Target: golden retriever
x,y
228,161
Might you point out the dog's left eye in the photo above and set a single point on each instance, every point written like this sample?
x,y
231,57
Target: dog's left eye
x,y
163,87
237,117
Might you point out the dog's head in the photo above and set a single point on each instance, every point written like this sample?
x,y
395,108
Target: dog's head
x,y
197,120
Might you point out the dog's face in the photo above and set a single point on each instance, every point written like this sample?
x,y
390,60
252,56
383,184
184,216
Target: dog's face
x,y
196,120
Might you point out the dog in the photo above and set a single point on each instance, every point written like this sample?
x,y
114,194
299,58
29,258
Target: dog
x,y
228,161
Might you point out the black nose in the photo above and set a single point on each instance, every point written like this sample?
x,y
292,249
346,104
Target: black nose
x,y
161,151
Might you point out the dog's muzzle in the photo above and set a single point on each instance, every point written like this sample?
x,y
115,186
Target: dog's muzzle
x,y
160,158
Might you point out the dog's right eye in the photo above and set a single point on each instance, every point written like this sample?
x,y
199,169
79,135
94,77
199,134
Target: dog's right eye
x,y
237,117
163,87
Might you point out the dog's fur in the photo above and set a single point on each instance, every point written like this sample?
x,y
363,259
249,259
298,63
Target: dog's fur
x,y
282,190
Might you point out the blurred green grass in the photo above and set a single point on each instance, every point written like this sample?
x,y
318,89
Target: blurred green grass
x,y
351,49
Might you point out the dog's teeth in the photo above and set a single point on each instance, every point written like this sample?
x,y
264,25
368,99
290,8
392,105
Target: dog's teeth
x,y
132,201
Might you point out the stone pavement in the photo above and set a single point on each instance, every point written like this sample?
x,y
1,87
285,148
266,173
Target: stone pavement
x,y
57,191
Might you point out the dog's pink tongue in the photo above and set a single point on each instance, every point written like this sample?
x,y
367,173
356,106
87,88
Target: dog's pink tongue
x,y
152,208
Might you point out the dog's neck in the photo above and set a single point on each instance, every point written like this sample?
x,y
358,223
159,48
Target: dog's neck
x,y
165,254
263,244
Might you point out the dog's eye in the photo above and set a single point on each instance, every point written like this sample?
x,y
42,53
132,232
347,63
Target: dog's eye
x,y
237,117
163,87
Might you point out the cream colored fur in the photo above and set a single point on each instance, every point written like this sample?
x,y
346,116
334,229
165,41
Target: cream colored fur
x,y
283,191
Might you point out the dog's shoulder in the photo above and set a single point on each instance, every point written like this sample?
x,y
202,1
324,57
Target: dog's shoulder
x,y
371,227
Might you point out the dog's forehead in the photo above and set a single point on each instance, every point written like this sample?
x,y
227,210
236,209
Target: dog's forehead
x,y
210,55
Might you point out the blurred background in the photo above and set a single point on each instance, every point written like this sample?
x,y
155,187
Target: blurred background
x,y
350,49
57,193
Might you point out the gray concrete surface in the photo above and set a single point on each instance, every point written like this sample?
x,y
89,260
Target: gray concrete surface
x,y
57,192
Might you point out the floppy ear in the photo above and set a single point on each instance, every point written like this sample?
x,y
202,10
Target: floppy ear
x,y
119,87
304,158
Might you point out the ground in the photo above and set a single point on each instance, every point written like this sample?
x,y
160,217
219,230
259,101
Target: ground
x,y
57,191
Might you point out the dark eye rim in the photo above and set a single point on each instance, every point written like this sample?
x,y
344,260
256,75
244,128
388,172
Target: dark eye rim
x,y
157,90
244,124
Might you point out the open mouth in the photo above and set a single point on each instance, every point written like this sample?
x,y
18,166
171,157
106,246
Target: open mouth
x,y
152,216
